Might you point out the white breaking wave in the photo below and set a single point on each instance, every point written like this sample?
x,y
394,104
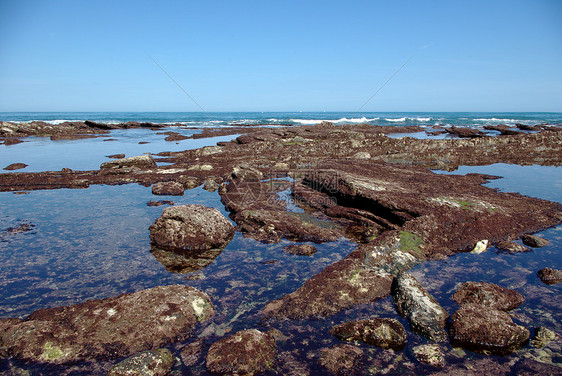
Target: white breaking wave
x,y
404,119
341,120
505,121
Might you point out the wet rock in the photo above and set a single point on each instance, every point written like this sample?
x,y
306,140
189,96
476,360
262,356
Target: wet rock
x,y
381,332
431,354
192,353
15,166
300,249
245,172
503,129
174,136
171,188
185,262
189,228
550,276
534,241
154,363
511,247
189,182
530,367
124,165
425,316
116,156
543,336
480,328
464,132
111,327
247,352
159,203
489,295
341,359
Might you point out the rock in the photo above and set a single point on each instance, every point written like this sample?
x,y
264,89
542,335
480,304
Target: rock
x,y
511,247
116,156
362,155
154,363
140,162
534,241
211,185
381,332
173,136
201,167
185,262
464,132
503,129
480,247
171,188
15,166
245,172
159,203
341,359
489,295
189,182
425,316
191,228
247,352
431,354
300,249
480,328
111,327
543,336
530,367
192,352
550,276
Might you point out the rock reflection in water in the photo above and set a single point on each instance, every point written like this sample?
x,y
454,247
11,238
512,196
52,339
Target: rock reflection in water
x,y
185,262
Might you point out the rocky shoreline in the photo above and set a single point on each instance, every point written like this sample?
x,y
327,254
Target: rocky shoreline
x,y
343,181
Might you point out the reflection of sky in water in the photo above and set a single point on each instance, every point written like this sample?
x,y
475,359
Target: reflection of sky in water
x,y
42,154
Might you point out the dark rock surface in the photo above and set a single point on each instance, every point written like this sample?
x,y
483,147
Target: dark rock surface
x,y
116,156
111,327
342,360
159,203
511,247
247,352
152,362
15,166
480,328
489,295
534,241
191,228
464,132
171,188
185,261
503,129
300,249
425,316
550,276
382,332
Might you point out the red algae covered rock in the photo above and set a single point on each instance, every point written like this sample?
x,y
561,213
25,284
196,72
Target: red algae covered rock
x,y
247,352
342,359
381,332
153,362
188,228
489,295
111,327
550,276
172,188
480,328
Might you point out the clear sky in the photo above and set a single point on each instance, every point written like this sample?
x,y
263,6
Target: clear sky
x,y
286,55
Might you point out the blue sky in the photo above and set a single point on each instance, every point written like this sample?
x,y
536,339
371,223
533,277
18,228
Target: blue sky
x,y
280,55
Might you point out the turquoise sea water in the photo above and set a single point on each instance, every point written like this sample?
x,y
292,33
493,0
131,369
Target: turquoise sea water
x,y
94,243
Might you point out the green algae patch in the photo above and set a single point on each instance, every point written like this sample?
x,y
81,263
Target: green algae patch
x,y
410,242
52,353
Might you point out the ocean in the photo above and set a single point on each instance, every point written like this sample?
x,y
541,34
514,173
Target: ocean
x,y
218,119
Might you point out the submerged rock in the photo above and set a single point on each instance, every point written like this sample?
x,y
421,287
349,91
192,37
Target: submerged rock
x,y
534,241
191,228
153,362
412,301
300,249
341,359
550,276
543,336
489,295
431,354
185,262
111,327
172,188
247,352
480,328
381,332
